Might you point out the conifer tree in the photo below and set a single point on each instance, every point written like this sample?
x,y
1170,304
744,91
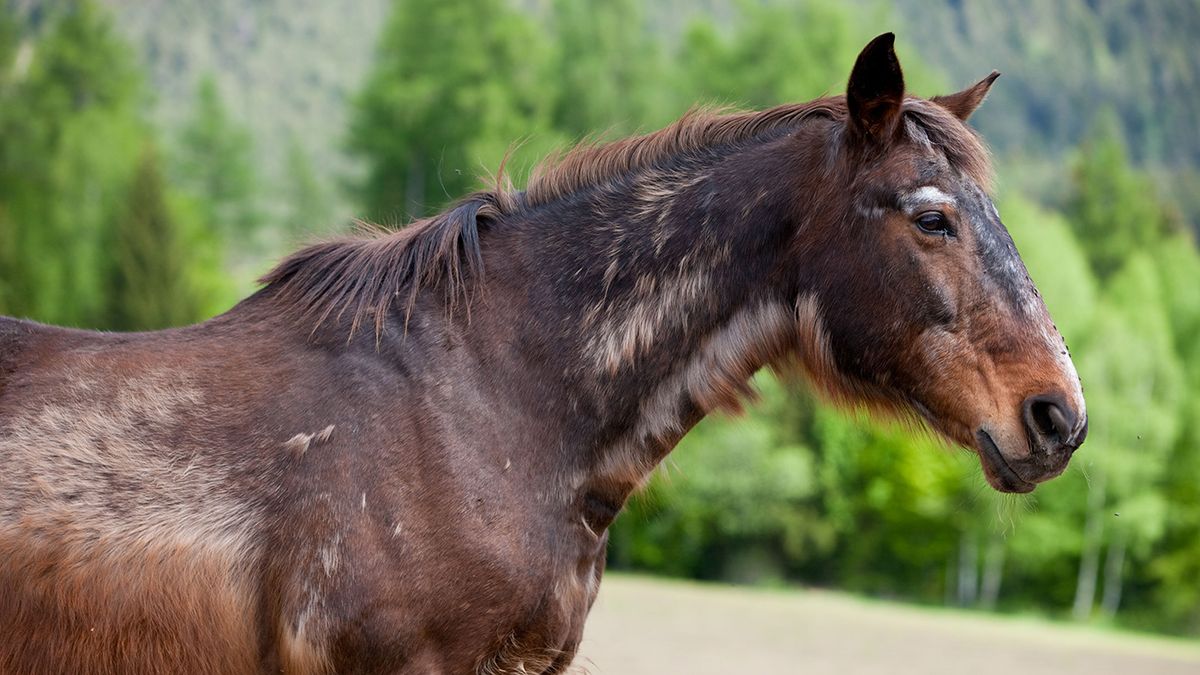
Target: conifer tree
x,y
214,165
1113,206
454,84
69,129
607,67
307,202
149,283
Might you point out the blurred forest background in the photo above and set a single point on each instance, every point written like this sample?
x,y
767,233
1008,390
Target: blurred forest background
x,y
156,156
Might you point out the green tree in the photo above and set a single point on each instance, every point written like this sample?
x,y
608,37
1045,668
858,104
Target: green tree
x,y
1174,572
782,52
214,164
607,67
69,130
454,84
1112,205
1134,397
149,281
307,201
10,126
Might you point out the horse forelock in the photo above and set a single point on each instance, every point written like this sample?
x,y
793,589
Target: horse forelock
x,y
931,125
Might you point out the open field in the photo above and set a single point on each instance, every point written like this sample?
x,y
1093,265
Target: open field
x,y
641,626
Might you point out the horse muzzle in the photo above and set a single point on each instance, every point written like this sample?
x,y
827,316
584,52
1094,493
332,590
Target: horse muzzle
x,y
1053,431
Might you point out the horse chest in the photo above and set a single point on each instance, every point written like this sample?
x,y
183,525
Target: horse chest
x,y
508,598
546,634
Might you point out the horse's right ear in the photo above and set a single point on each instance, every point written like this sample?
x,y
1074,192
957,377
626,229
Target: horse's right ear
x,y
876,90
963,103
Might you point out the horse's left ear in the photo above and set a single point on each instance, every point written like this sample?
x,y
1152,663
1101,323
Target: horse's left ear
x,y
876,90
966,101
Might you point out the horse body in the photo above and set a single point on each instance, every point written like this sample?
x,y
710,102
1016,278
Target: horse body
x,y
215,499
436,499
388,461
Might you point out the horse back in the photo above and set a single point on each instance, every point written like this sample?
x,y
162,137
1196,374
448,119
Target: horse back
x,y
24,344
121,550
14,335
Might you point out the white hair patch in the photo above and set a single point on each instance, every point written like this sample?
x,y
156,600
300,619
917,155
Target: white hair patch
x,y
926,194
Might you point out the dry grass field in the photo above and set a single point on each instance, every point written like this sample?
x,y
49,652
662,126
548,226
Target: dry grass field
x,y
643,626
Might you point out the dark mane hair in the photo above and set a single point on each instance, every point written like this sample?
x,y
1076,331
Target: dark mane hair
x,y
363,274
589,164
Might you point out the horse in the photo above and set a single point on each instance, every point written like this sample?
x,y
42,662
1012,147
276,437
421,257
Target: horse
x,y
403,452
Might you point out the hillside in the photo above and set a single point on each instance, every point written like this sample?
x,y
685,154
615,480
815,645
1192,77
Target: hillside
x,y
1064,60
284,68
288,69
1068,61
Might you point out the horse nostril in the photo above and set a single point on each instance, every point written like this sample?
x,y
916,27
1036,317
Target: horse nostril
x,y
1059,421
1047,419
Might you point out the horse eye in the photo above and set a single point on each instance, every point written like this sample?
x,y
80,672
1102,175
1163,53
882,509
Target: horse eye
x,y
934,222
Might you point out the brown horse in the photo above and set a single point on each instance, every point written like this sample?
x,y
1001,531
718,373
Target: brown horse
x,y
403,453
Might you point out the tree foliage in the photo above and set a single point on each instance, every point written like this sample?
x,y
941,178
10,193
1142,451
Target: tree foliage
x,y
149,281
602,52
1109,208
453,86
214,165
82,209
69,117
308,200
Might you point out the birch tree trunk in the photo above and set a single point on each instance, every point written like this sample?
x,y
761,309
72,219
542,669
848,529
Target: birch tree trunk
x,y
993,572
1089,559
968,570
950,585
1114,567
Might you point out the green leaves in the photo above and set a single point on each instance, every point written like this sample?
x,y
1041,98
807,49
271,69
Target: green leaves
x,y
1113,207
603,53
89,233
213,163
453,86
69,132
149,282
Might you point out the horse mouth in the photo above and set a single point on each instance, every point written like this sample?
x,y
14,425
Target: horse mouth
x,y
996,468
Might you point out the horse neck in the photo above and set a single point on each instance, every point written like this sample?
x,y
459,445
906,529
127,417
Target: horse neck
x,y
659,296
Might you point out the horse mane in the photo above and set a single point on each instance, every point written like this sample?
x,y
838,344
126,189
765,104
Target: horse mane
x,y
363,274
591,163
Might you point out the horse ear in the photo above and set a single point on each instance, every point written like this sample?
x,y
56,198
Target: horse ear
x,y
966,101
876,89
